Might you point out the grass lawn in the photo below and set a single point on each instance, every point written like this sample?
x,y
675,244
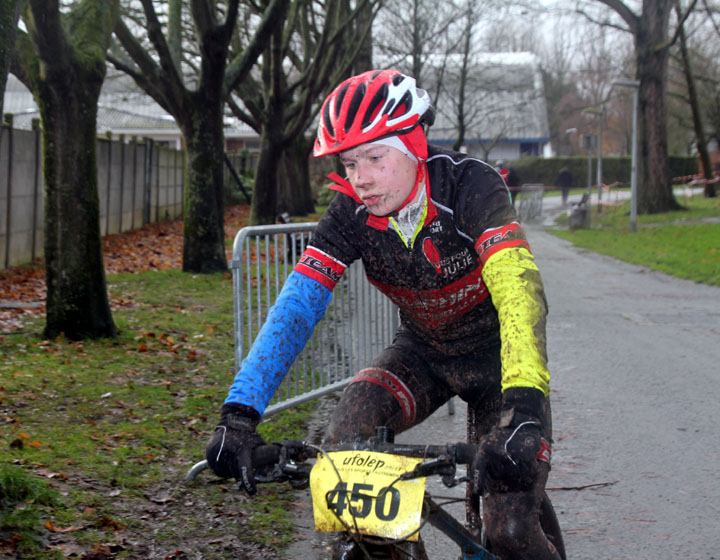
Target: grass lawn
x,y
98,435
685,243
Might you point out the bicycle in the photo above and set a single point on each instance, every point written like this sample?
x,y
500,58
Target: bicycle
x,y
374,493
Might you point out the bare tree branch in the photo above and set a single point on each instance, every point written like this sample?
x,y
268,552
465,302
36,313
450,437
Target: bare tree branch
x,y
628,16
603,23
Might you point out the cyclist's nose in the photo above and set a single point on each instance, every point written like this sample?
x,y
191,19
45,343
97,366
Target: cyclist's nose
x,y
363,176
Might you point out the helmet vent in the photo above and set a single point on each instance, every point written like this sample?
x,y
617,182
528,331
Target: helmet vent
x,y
403,105
340,98
327,120
355,102
374,106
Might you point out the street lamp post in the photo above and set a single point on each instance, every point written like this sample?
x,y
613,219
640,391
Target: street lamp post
x,y
589,141
635,84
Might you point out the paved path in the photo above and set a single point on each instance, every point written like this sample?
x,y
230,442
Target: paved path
x,y
635,360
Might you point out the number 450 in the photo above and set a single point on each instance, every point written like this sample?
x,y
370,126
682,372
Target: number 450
x,y
339,498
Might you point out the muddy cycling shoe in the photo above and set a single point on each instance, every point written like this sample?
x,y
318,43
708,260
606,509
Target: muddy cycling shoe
x,y
508,455
229,451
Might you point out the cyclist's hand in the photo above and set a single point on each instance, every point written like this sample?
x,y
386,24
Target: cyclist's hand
x,y
508,456
229,451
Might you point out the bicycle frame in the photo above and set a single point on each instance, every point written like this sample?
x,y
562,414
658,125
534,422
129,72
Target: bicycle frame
x,y
457,532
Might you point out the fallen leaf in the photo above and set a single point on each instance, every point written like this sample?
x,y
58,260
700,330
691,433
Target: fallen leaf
x,y
109,523
50,527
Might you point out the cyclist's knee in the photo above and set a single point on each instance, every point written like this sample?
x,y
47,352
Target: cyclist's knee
x,y
363,407
509,531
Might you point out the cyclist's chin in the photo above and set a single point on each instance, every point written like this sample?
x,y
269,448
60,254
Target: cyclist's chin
x,y
379,210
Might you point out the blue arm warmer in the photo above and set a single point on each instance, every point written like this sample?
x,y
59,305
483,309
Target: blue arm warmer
x,y
289,325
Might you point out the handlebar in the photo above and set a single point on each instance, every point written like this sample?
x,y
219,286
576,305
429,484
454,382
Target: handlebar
x,y
283,461
441,459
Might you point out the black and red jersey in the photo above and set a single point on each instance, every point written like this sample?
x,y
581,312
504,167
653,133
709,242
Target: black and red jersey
x,y
436,282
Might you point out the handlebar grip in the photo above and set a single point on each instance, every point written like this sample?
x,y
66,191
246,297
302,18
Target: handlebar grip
x,y
465,453
265,455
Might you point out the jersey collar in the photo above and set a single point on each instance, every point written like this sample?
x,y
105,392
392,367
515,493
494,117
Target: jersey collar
x,y
382,222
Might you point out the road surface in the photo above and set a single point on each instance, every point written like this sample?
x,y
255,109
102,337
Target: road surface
x,y
635,362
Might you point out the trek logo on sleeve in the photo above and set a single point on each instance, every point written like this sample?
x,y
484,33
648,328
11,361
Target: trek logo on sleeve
x,y
321,267
494,239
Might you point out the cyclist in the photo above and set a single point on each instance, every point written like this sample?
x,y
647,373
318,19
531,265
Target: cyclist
x,y
437,234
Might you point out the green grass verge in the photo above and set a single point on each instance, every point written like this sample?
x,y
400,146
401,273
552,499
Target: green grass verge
x,y
685,243
101,425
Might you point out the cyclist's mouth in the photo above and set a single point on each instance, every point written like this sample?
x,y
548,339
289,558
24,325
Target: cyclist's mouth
x,y
372,200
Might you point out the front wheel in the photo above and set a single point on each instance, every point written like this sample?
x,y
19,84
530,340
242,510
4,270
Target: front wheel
x,y
551,526
346,549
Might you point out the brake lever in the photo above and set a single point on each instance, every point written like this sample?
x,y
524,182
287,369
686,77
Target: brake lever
x,y
450,481
286,469
443,465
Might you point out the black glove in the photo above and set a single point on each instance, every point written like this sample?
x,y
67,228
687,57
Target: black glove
x,y
229,451
508,454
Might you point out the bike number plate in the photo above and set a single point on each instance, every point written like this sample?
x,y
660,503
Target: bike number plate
x,y
357,486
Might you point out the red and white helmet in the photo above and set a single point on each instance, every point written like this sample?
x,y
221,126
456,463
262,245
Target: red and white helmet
x,y
370,106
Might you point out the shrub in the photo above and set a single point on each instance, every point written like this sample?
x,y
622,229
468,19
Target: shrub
x,y
615,168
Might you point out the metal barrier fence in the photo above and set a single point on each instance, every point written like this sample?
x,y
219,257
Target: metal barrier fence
x,y
529,202
358,323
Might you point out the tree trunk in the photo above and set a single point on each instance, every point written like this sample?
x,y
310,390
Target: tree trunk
x,y
364,60
655,193
203,225
296,194
701,141
77,303
273,142
264,207
460,108
64,66
650,31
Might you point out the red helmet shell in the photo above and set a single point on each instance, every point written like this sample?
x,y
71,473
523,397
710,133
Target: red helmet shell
x,y
369,106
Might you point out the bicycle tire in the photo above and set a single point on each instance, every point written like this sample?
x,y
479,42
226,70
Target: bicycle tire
x,y
404,551
551,526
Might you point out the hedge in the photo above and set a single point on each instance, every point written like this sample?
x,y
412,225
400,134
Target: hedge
x,y
615,168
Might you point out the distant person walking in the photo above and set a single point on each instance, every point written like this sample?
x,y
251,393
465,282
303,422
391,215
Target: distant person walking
x,y
511,178
513,183
565,182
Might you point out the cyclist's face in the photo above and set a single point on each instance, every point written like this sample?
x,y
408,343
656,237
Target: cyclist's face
x,y
381,176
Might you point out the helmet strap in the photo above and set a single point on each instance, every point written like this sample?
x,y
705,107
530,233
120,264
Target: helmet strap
x,y
419,176
416,143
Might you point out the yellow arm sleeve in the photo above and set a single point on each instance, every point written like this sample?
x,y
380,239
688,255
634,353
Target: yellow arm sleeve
x,y
517,293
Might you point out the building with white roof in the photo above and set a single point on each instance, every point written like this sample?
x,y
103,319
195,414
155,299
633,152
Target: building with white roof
x,y
505,106
123,110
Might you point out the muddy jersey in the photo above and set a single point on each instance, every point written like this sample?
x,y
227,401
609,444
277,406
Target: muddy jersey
x,y
436,280
463,279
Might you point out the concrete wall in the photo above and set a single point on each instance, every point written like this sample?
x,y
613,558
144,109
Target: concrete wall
x,y
138,183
